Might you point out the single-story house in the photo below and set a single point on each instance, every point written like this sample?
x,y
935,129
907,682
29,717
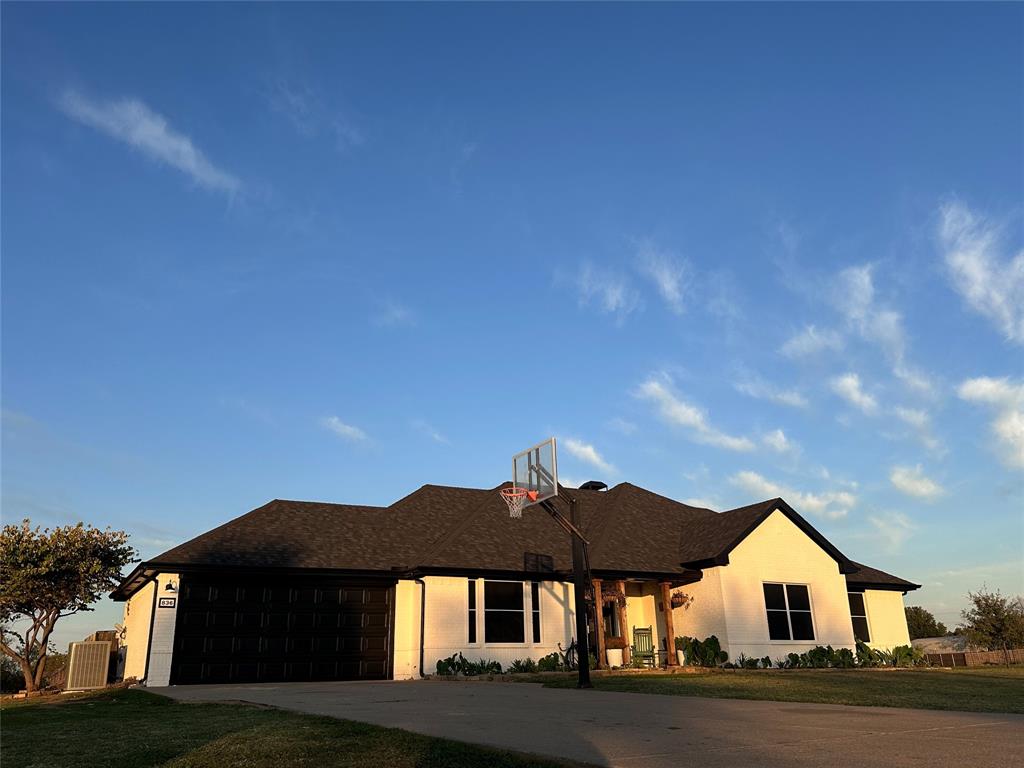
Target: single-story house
x,y
299,590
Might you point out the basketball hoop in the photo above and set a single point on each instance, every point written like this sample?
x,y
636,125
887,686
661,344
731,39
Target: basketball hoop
x,y
516,499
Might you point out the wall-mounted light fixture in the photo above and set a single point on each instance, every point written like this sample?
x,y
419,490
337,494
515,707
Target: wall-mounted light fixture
x,y
170,586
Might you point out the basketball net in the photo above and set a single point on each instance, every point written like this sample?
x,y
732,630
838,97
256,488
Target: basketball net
x,y
516,499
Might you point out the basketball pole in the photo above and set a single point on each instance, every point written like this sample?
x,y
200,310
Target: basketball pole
x,y
580,580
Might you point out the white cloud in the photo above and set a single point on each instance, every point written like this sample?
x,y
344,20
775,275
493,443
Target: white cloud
x,y
763,391
811,341
849,388
893,530
669,273
855,299
920,421
779,443
678,412
135,124
427,429
991,285
340,428
1006,397
587,453
913,482
831,505
609,291
699,502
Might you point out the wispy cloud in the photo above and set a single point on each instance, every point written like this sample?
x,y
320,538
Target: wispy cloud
x,y
132,122
913,482
762,390
306,109
341,429
669,273
622,426
609,291
831,505
1006,397
854,294
779,443
811,341
920,422
848,387
587,453
392,313
893,529
677,412
430,431
991,284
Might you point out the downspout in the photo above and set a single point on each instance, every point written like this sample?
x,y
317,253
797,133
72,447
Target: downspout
x,y
423,621
152,620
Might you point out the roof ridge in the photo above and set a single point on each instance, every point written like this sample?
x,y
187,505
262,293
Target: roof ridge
x,y
448,535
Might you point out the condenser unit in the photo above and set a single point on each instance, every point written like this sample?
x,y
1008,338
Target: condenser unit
x,y
88,663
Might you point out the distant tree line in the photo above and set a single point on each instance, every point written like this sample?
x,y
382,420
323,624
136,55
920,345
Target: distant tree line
x,y
992,622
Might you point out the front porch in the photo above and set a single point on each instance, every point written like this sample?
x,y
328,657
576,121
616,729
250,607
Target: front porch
x,y
632,623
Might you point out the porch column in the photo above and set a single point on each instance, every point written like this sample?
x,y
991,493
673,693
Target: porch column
x,y
627,634
670,630
599,623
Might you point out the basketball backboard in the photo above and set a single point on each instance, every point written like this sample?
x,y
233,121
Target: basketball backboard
x,y
536,470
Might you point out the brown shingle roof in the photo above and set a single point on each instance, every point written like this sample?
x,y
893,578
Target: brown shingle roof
x,y
442,528
866,576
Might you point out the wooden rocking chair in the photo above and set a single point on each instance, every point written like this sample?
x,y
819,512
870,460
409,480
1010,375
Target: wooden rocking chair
x,y
643,646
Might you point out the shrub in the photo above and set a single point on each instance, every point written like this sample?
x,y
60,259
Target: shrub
x,y
550,663
522,665
703,653
457,664
766,662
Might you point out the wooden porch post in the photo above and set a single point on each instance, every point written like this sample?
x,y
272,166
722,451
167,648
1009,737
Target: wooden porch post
x,y
670,630
599,623
623,625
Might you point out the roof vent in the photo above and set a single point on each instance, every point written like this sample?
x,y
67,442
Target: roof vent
x,y
594,485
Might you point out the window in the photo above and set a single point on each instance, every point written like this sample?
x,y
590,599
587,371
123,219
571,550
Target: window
x,y
535,606
503,612
610,616
859,614
472,610
789,612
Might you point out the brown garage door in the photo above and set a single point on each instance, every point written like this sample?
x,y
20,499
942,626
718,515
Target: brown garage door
x,y
273,629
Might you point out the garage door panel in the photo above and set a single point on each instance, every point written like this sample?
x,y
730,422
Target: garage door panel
x,y
280,630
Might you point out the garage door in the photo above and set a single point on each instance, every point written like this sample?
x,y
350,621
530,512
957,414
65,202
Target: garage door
x,y
274,630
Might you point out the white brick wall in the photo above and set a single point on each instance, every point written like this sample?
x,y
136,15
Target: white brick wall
x,y
162,644
138,611
706,614
887,619
447,617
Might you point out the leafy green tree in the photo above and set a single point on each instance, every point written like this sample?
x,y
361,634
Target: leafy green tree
x,y
993,622
922,623
46,575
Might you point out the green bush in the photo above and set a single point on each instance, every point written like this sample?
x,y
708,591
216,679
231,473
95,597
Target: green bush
x,y
522,665
766,662
702,653
550,663
457,664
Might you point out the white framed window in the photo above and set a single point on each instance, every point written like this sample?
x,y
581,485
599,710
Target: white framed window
x,y
859,617
504,612
788,607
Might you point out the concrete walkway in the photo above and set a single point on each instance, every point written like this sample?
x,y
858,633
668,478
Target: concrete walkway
x,y
631,730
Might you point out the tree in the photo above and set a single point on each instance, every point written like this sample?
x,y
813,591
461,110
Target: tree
x,y
48,574
993,622
922,623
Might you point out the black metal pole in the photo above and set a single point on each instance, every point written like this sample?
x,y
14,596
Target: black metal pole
x,y
579,573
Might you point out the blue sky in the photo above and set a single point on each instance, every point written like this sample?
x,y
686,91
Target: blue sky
x,y
336,252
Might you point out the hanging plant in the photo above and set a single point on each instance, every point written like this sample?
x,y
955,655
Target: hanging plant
x,y
613,596
681,600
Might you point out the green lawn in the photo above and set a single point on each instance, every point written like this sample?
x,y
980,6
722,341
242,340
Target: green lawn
x,y
998,689
133,728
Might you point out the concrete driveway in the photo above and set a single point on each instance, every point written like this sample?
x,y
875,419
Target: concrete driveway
x,y
632,729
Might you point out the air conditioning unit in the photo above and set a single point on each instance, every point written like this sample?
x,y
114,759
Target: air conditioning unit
x,y
88,663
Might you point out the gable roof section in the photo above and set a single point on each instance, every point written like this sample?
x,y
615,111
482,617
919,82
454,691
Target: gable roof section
x,y
711,544
445,529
